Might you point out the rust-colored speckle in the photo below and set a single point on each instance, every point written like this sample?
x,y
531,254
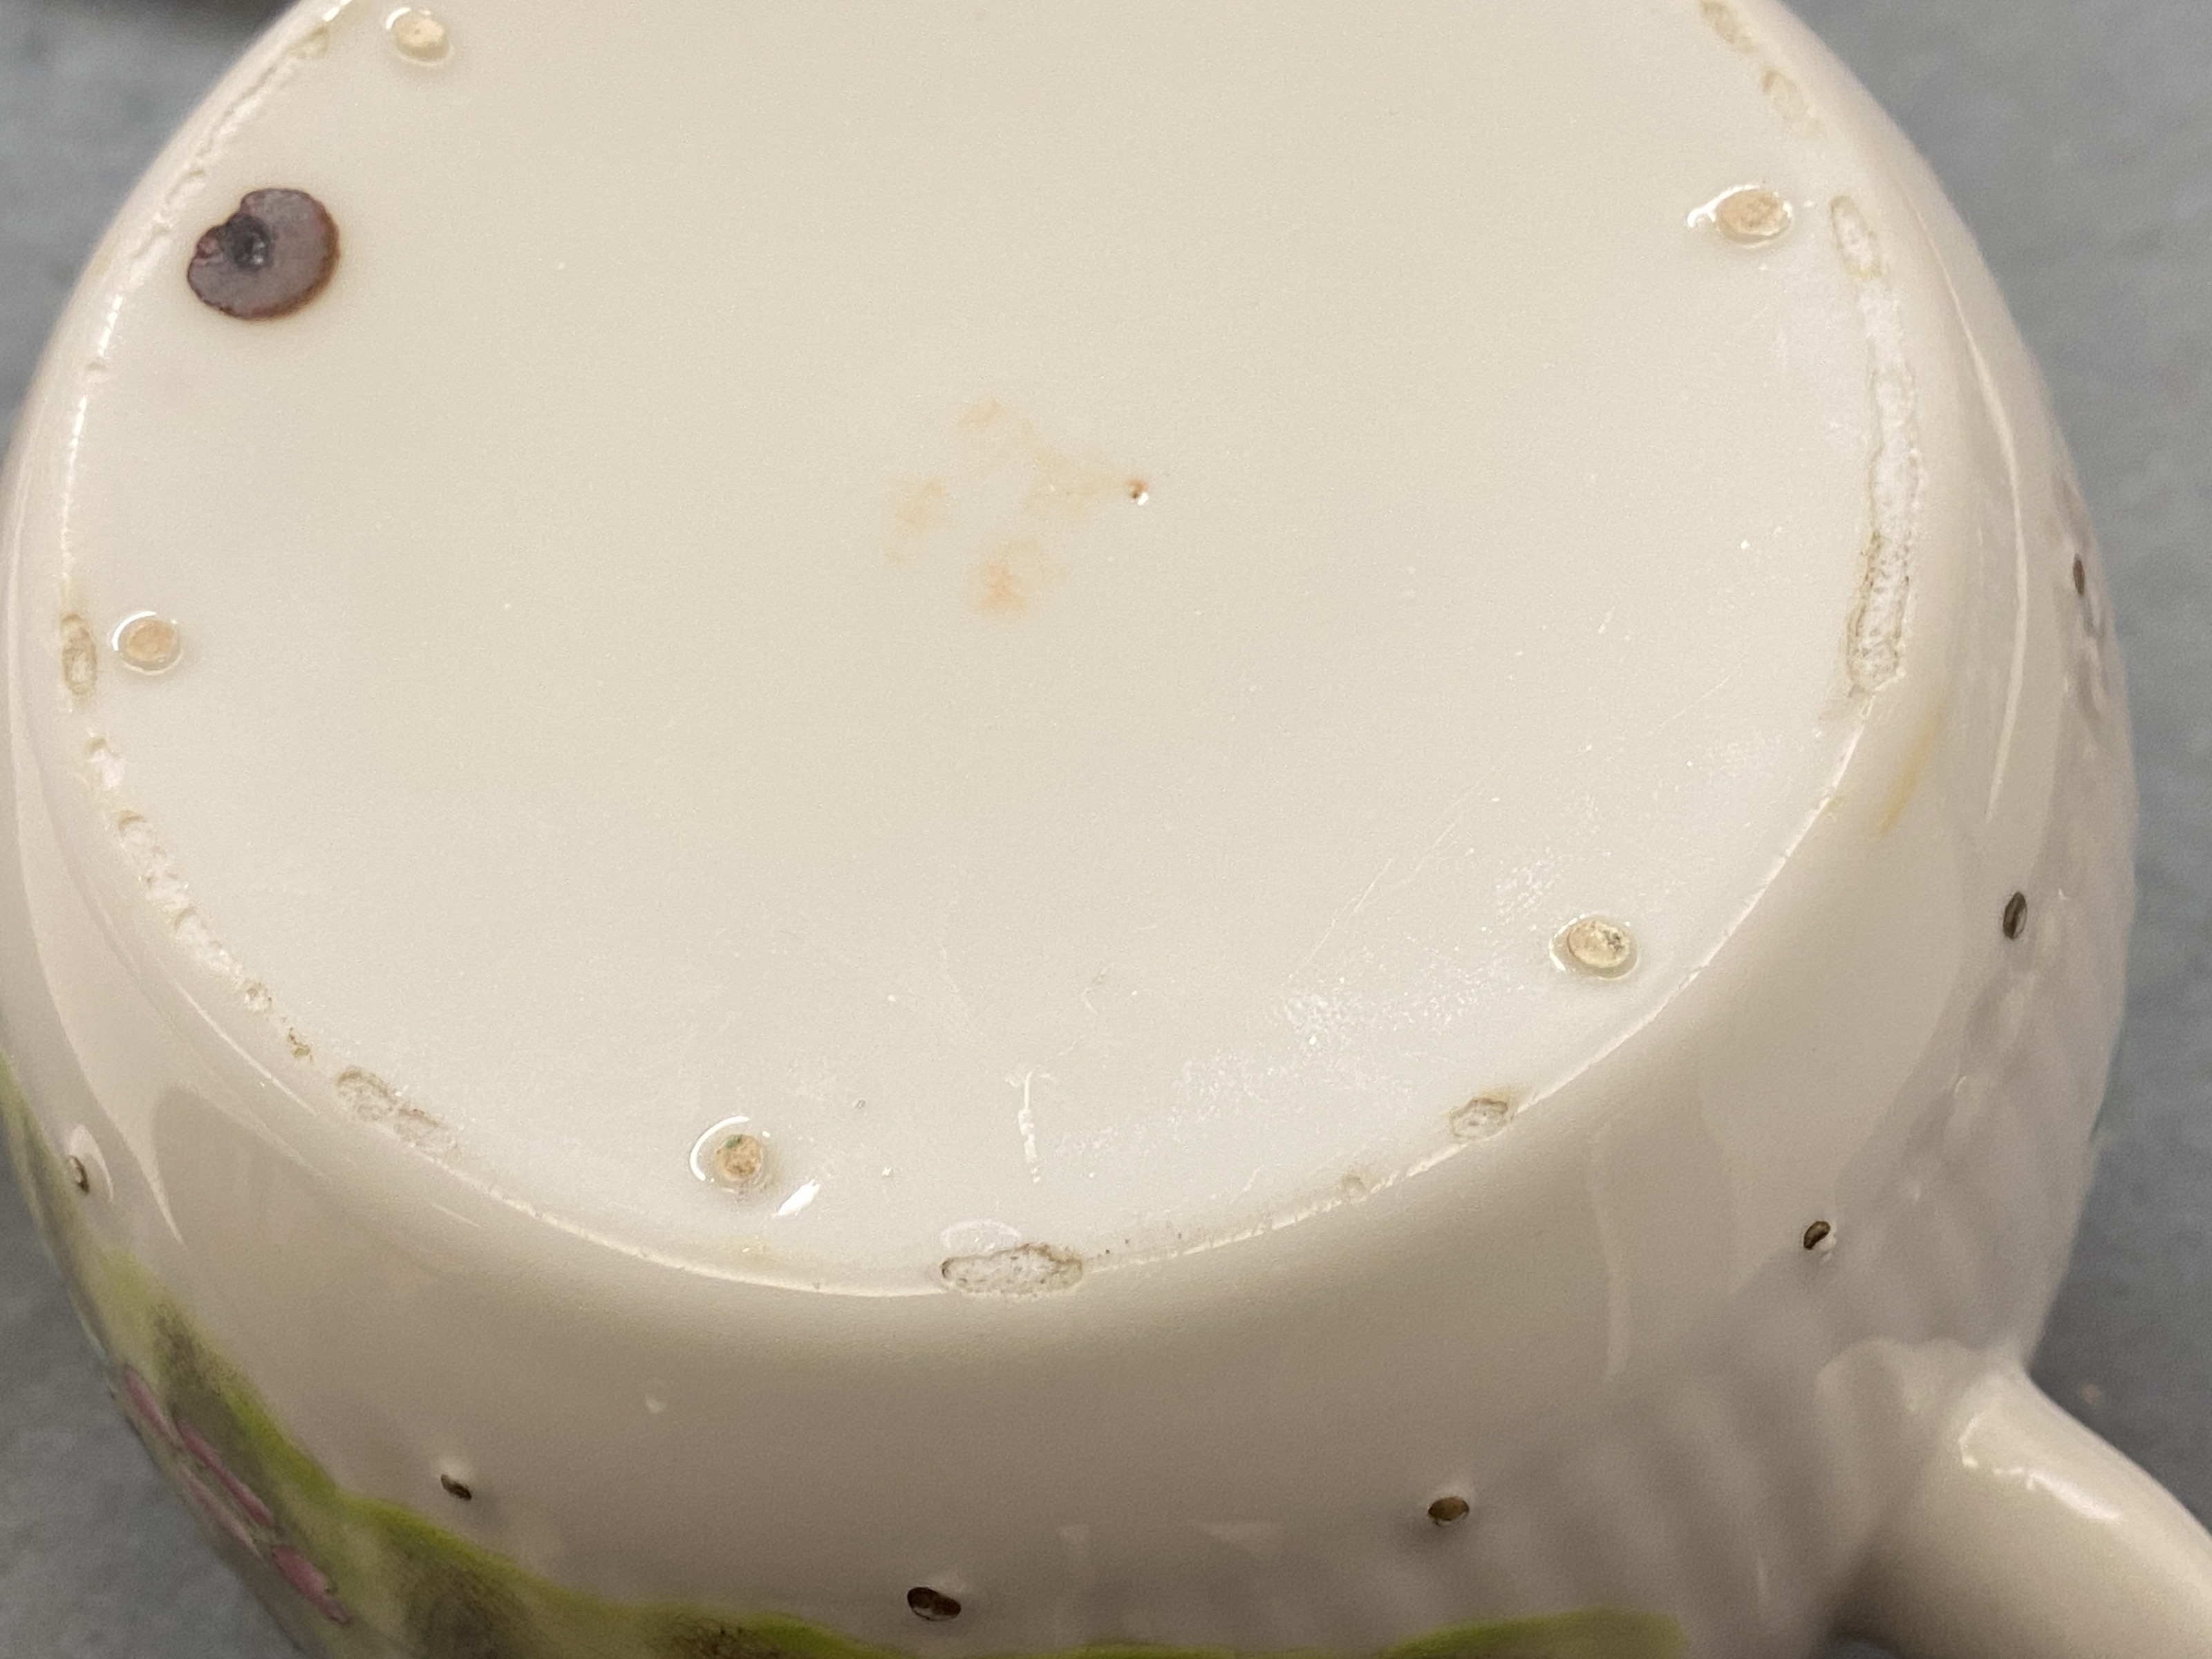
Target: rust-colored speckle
x,y
1013,576
1008,502
80,657
932,1605
269,259
1450,1511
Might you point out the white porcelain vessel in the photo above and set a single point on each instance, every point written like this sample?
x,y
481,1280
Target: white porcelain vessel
x,y
984,829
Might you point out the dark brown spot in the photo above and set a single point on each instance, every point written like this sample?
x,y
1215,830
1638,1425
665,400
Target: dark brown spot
x,y
934,1605
1818,1234
1140,492
460,1489
269,259
2016,914
2081,577
80,1177
1449,1512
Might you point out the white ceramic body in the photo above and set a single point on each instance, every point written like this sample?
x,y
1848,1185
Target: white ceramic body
x,y
1720,1338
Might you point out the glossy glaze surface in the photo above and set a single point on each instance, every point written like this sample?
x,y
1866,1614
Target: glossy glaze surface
x,y
1103,654
1556,1319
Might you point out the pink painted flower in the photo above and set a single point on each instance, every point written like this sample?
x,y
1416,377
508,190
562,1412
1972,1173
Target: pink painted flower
x,y
210,1503
140,1400
244,1495
311,1582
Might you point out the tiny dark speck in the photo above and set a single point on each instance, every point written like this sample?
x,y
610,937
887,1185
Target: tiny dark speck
x,y
459,1488
269,259
932,1605
1450,1511
1817,1235
2081,577
2015,916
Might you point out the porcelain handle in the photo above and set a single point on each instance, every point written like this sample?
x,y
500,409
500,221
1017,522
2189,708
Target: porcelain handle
x,y
2027,1537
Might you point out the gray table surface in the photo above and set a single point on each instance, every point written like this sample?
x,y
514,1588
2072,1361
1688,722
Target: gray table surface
x,y
2076,137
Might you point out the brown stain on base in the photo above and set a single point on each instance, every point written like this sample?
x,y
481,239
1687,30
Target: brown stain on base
x,y
1005,489
1013,576
920,506
1916,769
1068,488
988,422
